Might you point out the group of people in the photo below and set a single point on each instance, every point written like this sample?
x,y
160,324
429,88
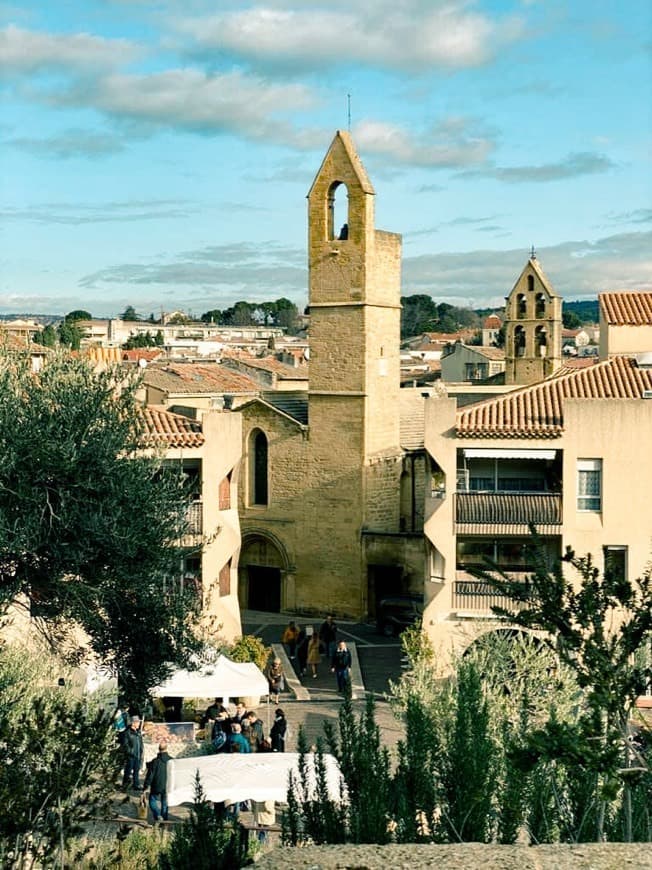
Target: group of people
x,y
243,731
307,647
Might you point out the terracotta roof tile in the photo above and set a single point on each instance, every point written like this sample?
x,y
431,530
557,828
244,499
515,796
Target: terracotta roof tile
x,y
191,378
627,308
537,411
171,430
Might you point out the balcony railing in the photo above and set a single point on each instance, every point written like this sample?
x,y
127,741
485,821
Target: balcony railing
x,y
508,508
194,518
478,596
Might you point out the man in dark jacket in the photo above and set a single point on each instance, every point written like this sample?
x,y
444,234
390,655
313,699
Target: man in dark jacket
x,y
133,748
156,779
341,665
254,733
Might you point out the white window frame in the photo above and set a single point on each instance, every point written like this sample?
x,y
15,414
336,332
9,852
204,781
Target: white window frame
x,y
583,498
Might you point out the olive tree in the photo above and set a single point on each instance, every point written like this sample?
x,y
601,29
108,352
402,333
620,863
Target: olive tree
x,y
89,517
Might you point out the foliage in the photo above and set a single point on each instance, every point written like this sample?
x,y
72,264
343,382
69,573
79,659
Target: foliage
x,y
570,320
417,791
204,841
69,334
144,339
129,313
78,314
248,648
499,341
469,769
135,849
88,521
312,816
59,760
48,336
419,314
282,312
596,626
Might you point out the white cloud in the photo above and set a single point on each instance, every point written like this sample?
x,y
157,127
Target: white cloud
x,y
451,143
581,163
407,35
193,100
28,51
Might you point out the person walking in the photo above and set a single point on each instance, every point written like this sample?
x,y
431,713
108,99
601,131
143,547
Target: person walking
x,y
156,779
302,649
133,748
278,731
290,637
341,666
276,679
314,656
328,636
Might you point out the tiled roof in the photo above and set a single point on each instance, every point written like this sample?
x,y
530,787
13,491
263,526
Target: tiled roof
x,y
292,405
171,430
626,308
492,322
412,410
138,353
496,353
191,378
271,364
537,411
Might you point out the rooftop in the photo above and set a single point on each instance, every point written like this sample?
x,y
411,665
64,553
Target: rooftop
x,y
626,308
537,411
193,378
171,430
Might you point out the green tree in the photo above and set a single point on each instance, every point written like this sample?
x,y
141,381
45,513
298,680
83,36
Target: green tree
x,y
70,335
89,521
570,320
418,315
47,336
58,761
129,313
213,316
205,842
78,314
596,624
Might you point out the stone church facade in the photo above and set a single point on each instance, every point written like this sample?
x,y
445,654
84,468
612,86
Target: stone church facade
x,y
331,496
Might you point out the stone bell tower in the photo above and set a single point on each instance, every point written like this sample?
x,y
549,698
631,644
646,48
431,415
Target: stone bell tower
x,y
354,369
532,327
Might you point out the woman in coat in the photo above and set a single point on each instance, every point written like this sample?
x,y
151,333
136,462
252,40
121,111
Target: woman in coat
x,y
278,731
314,656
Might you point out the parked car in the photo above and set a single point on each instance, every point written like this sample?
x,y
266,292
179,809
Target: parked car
x,y
396,613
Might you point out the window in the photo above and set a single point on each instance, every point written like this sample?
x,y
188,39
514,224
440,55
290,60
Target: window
x,y
224,495
589,484
521,305
225,579
519,341
476,371
338,212
258,489
615,562
539,306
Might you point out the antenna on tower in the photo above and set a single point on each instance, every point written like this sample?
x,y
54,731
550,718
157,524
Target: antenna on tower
x,y
533,253
348,110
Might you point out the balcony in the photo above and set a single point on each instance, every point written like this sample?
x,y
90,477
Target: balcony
x,y
507,512
194,522
477,597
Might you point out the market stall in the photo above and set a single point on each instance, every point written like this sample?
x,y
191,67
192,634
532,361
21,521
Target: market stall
x,y
234,778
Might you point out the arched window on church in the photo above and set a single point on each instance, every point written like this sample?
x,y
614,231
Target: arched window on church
x,y
258,468
541,340
521,305
540,306
338,211
519,341
530,283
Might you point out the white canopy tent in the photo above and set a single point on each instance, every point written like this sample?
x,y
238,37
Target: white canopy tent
x,y
223,679
259,776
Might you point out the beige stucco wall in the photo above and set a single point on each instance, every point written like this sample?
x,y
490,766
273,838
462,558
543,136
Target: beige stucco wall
x,y
628,340
617,431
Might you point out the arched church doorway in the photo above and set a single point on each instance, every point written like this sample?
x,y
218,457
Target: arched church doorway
x,y
262,566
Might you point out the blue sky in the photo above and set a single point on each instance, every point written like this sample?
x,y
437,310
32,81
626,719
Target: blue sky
x,y
158,153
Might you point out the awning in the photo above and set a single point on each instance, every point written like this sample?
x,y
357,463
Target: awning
x,y
498,453
259,776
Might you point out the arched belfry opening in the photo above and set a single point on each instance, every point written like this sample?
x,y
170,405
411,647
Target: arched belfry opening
x,y
338,211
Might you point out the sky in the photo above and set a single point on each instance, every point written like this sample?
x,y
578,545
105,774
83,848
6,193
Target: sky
x,y
158,153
